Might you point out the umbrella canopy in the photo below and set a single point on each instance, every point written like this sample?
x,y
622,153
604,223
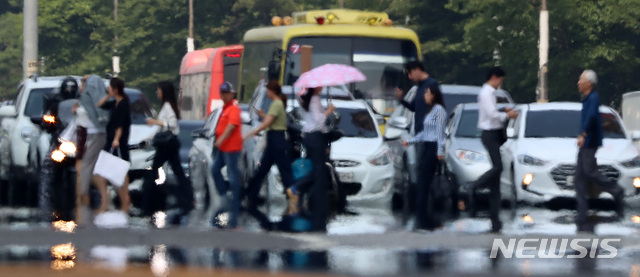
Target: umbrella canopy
x,y
328,75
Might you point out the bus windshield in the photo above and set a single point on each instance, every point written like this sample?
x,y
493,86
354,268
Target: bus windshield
x,y
380,59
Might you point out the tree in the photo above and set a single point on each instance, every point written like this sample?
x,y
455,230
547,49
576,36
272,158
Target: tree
x,y
10,53
584,34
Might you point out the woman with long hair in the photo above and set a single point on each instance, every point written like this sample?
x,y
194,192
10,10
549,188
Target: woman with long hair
x,y
433,137
168,151
315,141
275,122
118,130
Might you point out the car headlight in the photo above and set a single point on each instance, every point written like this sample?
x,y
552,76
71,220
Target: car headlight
x,y
68,148
469,156
528,160
26,133
633,163
382,158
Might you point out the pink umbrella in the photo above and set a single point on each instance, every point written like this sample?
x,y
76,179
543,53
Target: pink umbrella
x,y
328,75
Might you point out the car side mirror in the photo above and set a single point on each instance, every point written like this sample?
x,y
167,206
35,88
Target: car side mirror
x,y
399,122
511,133
246,118
274,70
635,135
37,120
200,133
380,119
8,111
392,134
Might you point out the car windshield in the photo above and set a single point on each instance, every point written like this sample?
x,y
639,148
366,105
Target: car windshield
x,y
566,124
468,126
186,141
140,108
452,100
35,103
354,122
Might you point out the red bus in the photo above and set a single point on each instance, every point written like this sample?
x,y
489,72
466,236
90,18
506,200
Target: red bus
x,y
201,74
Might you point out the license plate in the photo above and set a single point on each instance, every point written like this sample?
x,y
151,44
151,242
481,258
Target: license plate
x,y
569,180
346,177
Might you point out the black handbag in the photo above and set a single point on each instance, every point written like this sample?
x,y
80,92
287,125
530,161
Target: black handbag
x,y
162,139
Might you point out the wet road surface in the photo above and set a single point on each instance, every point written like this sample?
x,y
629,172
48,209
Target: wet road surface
x,y
369,242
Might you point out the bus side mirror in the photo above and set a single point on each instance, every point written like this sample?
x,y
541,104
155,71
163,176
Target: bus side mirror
x,y
274,70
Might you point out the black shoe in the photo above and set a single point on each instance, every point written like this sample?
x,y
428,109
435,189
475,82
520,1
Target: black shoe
x,y
472,206
619,199
586,228
253,203
496,227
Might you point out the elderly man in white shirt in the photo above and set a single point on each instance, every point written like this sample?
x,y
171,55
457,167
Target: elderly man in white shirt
x,y
491,122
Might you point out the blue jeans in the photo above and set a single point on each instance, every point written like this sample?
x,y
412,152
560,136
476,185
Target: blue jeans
x,y
230,159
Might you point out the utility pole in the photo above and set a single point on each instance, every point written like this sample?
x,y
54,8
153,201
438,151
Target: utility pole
x,y
542,91
115,58
30,42
190,42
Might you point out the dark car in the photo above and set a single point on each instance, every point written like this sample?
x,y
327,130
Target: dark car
x,y
186,141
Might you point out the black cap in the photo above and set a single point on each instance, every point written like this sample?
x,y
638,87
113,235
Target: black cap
x,y
227,87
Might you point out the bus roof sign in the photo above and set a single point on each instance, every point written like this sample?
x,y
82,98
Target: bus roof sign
x,y
340,16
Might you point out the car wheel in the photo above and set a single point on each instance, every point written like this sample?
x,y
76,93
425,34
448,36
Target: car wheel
x,y
398,200
513,201
407,189
33,180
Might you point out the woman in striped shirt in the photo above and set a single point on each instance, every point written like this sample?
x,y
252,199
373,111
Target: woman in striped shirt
x,y
433,138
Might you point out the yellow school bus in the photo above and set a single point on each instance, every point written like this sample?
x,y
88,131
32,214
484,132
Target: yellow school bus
x,y
366,40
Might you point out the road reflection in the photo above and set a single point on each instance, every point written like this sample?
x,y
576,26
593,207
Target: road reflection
x,y
163,260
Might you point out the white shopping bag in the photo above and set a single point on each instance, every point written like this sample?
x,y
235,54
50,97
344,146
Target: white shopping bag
x,y
112,168
69,133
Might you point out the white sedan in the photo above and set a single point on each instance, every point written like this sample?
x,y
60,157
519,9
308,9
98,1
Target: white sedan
x,y
361,158
540,156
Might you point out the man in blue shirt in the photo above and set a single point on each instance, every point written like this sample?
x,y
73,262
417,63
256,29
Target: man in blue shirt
x,y
589,140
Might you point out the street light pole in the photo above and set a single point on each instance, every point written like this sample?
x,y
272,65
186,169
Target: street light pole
x,y
115,59
542,91
190,42
30,42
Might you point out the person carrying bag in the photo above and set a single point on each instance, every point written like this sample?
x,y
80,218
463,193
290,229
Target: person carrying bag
x,y
118,130
112,167
167,148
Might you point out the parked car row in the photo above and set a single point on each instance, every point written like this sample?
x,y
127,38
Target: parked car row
x,y
23,144
539,156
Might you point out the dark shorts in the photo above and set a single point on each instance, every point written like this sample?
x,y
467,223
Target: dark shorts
x,y
81,134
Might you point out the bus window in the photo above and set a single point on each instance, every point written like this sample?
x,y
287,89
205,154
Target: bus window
x,y
231,67
256,56
380,59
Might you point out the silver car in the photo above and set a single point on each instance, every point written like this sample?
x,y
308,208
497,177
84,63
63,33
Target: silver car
x,y
400,126
465,157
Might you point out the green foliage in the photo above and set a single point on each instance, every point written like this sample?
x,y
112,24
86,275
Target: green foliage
x,y
460,38
10,54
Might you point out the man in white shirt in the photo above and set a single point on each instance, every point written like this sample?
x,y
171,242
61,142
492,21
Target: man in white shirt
x,y
491,122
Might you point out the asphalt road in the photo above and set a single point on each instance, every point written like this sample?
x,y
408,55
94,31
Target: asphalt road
x,y
370,242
